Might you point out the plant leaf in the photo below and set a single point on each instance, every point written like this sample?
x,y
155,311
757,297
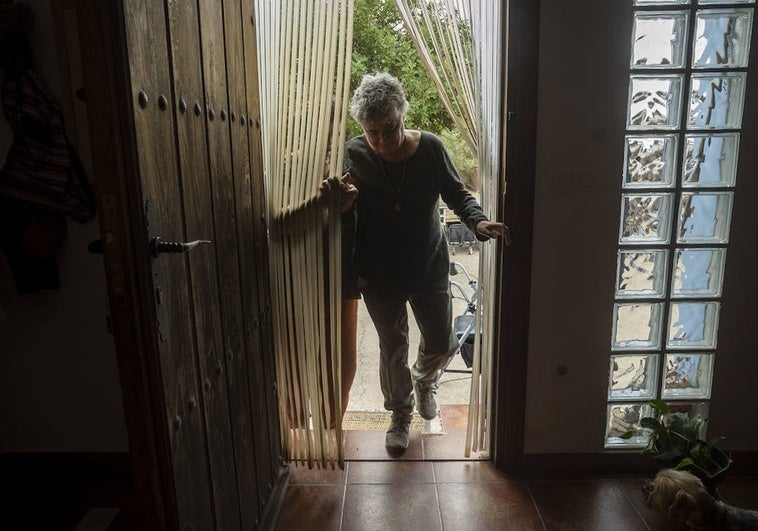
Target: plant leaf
x,y
660,406
651,423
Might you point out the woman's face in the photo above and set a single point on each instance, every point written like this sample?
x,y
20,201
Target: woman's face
x,y
385,138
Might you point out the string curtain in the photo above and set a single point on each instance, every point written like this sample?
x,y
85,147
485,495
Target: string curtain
x,y
304,49
460,44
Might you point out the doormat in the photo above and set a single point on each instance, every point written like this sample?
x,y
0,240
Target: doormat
x,y
380,420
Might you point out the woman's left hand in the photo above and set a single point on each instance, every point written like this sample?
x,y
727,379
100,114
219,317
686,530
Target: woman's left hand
x,y
493,229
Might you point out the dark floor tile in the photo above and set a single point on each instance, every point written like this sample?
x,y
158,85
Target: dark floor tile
x,y
487,506
585,505
448,446
300,474
656,521
467,472
740,492
396,507
382,472
311,507
362,445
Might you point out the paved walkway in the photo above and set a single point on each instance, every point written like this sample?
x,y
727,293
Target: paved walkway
x,y
454,388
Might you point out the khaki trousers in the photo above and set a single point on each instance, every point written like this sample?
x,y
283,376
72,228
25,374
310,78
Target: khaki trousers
x,y
388,311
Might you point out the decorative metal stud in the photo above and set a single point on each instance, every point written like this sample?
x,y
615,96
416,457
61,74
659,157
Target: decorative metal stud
x,y
211,114
207,384
230,353
233,116
142,98
198,110
162,102
177,423
192,403
182,106
223,115
242,120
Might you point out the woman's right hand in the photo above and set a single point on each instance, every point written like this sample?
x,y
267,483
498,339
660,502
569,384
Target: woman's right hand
x,y
348,192
345,187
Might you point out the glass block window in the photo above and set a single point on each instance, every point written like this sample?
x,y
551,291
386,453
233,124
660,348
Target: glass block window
x,y
687,73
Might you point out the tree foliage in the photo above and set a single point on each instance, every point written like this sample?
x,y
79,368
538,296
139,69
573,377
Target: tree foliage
x,y
381,44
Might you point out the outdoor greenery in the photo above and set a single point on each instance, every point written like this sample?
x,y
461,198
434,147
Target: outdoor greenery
x,y
381,44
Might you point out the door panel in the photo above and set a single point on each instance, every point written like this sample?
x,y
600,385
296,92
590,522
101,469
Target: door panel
x,y
159,178
203,164
194,343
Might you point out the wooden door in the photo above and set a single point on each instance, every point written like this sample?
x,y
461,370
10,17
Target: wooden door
x,y
173,92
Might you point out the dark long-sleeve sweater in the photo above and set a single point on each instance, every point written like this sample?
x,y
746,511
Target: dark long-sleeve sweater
x,y
406,249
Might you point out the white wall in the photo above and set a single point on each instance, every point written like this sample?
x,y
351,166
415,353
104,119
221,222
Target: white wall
x,y
59,388
583,82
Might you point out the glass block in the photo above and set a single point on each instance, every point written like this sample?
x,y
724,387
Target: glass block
x,y
660,2
641,274
710,160
698,272
716,101
658,39
722,38
633,376
693,325
654,102
714,2
704,217
650,161
622,418
687,376
636,326
645,218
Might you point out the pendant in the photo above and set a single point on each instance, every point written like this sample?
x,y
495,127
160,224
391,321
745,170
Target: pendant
x,y
397,205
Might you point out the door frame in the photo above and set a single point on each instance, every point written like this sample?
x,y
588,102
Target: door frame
x,y
514,263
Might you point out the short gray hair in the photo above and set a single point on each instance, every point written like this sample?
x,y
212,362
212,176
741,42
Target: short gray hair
x,y
379,99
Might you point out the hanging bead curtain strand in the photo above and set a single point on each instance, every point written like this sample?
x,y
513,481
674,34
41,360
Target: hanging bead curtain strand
x,y
303,51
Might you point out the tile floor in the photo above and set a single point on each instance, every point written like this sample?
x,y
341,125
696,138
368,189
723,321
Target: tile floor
x,y
470,495
433,487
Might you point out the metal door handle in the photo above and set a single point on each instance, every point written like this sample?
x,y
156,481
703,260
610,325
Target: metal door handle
x,y
159,246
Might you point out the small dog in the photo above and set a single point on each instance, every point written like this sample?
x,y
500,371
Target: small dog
x,y
684,497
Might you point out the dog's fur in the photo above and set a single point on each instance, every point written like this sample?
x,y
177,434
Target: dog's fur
x,y
683,496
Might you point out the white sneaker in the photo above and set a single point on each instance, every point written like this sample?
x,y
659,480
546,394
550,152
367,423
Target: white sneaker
x,y
426,405
397,434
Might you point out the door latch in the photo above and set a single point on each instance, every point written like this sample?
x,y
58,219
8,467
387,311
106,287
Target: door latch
x,y
159,246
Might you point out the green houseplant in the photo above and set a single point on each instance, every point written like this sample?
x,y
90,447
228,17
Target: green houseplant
x,y
674,439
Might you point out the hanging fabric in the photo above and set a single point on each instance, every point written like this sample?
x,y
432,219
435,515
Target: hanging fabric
x,y
460,43
304,49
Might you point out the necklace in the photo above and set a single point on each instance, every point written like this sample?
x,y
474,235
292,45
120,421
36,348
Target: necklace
x,y
395,191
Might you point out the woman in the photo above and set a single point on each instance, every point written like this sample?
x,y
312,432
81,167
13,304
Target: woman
x,y
400,252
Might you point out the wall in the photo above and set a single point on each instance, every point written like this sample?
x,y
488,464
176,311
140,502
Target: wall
x,y
59,388
583,81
